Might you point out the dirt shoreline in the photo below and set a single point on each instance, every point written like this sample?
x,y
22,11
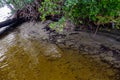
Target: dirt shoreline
x,y
102,47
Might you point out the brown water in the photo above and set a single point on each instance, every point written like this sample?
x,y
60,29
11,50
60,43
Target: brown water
x,y
23,59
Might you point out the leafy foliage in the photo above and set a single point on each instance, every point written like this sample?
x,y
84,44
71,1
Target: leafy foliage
x,y
98,11
50,7
58,26
84,11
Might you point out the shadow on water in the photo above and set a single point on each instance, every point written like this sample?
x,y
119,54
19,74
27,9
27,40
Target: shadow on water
x,y
36,60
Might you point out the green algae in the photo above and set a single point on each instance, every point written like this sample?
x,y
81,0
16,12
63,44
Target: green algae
x,y
33,60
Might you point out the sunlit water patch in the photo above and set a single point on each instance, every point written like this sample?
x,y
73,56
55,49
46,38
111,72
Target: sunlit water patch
x,y
36,60
5,12
6,42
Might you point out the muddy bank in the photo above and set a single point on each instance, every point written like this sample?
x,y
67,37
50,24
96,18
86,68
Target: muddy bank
x,y
102,46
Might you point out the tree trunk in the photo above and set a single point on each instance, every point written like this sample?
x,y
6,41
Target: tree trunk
x,y
7,22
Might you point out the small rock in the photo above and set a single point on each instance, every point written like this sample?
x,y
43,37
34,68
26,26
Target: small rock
x,y
52,51
59,40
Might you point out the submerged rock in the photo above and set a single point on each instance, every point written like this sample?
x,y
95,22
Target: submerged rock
x,y
52,51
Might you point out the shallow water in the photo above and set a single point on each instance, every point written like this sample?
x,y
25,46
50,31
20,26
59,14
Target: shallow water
x,y
26,59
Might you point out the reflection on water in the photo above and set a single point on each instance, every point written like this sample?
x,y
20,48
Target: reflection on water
x,y
6,43
33,60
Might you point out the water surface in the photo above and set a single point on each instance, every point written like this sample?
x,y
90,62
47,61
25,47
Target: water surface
x,y
27,59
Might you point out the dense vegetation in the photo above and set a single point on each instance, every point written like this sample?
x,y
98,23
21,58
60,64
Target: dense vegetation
x,y
92,13
85,12
96,11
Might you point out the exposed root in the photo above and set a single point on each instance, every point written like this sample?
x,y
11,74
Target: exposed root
x,y
29,12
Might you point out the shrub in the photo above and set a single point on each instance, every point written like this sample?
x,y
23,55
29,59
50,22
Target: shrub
x,y
50,7
97,11
83,11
